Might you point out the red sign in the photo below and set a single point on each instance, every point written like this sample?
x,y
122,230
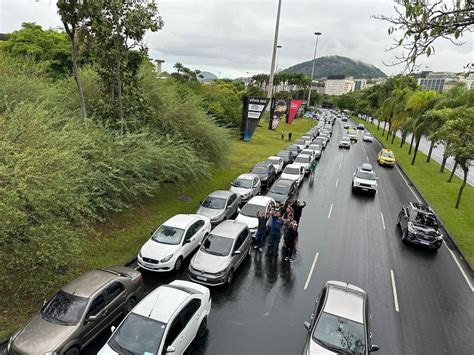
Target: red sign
x,y
294,107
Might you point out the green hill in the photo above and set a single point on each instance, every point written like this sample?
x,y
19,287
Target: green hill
x,y
337,66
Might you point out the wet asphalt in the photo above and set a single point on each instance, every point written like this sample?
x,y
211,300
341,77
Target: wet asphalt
x,y
348,237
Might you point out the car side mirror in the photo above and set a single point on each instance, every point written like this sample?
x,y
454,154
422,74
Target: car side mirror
x,y
91,319
112,328
170,349
187,241
229,207
307,325
374,348
238,210
200,202
44,302
237,252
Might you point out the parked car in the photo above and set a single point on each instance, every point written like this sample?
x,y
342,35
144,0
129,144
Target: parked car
x,y
295,149
420,226
347,125
301,143
321,140
308,139
287,156
294,172
248,213
79,312
364,179
303,160
247,186
352,134
277,163
368,137
266,172
220,254
360,126
317,148
283,190
172,242
219,206
309,152
164,322
341,313
343,119
345,142
386,158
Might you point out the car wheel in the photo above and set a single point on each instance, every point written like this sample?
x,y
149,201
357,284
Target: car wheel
x,y
202,328
230,277
129,305
72,351
178,264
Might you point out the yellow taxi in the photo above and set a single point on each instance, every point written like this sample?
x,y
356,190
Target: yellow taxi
x,y
386,157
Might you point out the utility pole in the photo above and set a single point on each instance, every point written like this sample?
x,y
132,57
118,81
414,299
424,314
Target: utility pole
x,y
317,34
272,68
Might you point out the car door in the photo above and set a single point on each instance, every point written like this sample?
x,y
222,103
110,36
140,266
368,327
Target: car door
x,y
236,258
189,317
95,319
256,186
116,295
404,218
189,240
172,336
231,206
302,172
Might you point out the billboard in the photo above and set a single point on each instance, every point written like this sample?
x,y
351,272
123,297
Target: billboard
x,y
251,113
294,107
278,110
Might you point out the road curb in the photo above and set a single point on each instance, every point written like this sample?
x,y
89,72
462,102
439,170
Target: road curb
x,y
449,240
131,261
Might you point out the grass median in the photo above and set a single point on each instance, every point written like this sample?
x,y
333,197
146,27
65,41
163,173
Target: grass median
x,y
440,194
119,238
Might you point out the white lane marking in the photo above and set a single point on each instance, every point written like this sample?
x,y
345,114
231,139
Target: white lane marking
x,y
394,288
460,268
337,182
330,211
406,182
340,165
311,271
383,221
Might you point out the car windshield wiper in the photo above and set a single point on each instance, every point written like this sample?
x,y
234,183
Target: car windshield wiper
x,y
54,320
332,347
117,347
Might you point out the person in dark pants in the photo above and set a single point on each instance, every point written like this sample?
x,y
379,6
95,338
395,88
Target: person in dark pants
x,y
261,229
298,210
275,232
291,237
282,135
289,136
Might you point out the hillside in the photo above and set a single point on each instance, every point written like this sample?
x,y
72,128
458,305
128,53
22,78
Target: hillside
x,y
336,66
206,76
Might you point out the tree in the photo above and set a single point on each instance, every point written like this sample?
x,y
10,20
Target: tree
x,y
422,22
459,131
184,74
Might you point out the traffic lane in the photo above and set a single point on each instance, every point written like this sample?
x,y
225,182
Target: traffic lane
x,y
431,290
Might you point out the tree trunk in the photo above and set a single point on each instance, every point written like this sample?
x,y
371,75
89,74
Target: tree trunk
x,y
445,158
411,143
428,158
383,129
418,139
119,89
453,171
393,137
402,141
465,169
378,125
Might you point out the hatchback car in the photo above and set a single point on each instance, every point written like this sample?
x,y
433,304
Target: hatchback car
x,y
277,163
248,214
301,143
386,158
287,156
352,134
309,152
220,254
219,206
164,322
247,186
345,142
79,312
360,126
294,172
266,173
368,137
283,190
172,242
303,160
340,323
420,226
317,150
364,179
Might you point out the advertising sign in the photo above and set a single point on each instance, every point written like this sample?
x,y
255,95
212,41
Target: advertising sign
x,y
294,107
278,110
251,113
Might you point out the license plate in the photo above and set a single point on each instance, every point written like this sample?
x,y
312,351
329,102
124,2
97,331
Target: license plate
x,y
364,189
424,242
151,266
202,278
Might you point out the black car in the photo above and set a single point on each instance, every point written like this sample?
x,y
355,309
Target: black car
x,y
420,226
266,172
283,191
287,155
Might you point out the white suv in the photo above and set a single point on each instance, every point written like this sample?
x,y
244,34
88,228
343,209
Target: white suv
x,y
364,179
165,321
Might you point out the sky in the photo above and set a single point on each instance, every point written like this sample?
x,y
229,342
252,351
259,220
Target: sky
x,y
233,38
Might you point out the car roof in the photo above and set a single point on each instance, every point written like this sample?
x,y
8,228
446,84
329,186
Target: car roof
x,y
247,176
229,229
274,157
87,284
293,166
262,164
304,155
385,150
367,167
345,300
260,200
344,137
182,220
285,182
221,193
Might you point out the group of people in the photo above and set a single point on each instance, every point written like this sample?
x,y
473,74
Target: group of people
x,y
284,220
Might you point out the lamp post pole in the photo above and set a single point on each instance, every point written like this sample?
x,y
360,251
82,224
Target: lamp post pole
x,y
272,68
317,34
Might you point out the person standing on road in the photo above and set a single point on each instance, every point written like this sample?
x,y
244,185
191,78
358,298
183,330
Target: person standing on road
x,y
313,168
261,229
275,232
291,237
298,210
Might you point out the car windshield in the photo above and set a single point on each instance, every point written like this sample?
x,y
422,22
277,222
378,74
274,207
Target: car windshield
x,y
293,148
138,335
274,161
250,210
300,142
243,183
168,235
315,147
339,334
302,160
292,171
367,175
345,139
387,155
64,308
260,170
280,189
425,219
217,245
215,203
368,135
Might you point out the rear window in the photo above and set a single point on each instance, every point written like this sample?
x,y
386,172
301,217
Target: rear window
x,y
302,160
292,171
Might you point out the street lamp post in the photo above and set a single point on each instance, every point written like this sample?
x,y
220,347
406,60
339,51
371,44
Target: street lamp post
x,y
278,56
317,34
272,68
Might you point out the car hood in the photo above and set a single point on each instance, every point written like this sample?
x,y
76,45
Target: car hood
x,y
209,263
365,181
39,336
424,229
251,222
158,251
277,197
106,350
240,190
210,212
316,349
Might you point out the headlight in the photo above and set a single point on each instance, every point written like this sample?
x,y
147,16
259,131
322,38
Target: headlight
x,y
411,229
220,273
11,340
168,258
440,236
140,254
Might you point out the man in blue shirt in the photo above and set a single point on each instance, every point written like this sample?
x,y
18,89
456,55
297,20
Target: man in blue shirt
x,y
275,232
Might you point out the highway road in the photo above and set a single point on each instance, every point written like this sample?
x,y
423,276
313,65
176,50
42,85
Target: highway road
x,y
420,301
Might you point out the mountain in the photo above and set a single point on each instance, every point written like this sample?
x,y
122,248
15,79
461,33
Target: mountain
x,y
337,66
206,76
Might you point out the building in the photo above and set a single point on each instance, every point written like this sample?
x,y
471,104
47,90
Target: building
x,y
439,82
359,84
158,66
337,87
